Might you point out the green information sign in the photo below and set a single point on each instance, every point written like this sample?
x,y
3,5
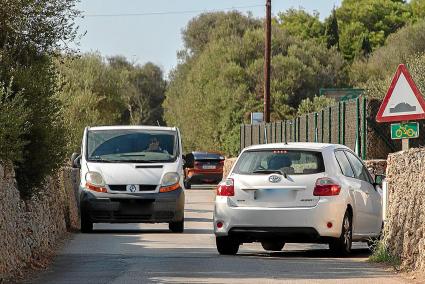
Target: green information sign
x,y
404,130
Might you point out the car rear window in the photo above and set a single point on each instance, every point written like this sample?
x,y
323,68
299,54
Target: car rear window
x,y
207,156
291,162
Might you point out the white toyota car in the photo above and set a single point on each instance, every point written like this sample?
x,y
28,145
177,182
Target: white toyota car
x,y
297,192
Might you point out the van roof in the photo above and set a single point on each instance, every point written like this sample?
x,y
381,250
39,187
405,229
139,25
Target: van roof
x,y
132,127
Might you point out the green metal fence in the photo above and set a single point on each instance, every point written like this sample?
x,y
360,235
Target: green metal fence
x,y
344,123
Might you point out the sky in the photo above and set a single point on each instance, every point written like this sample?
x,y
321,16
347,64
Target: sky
x,y
155,35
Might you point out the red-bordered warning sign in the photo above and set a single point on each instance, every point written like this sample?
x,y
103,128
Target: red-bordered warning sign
x,y
403,101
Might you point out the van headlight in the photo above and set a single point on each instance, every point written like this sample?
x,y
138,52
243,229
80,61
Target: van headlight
x,y
95,182
170,182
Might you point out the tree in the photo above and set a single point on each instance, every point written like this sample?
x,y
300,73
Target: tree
x,y
217,88
96,91
13,127
377,18
332,30
366,47
32,33
315,104
399,48
418,9
302,24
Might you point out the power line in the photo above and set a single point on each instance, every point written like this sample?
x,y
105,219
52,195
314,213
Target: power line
x,y
169,12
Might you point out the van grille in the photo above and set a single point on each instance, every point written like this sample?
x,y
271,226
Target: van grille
x,y
142,187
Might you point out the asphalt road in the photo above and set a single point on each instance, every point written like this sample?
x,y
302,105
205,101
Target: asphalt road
x,y
149,253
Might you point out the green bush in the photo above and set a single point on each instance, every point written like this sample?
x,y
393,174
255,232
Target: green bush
x,y
13,124
381,254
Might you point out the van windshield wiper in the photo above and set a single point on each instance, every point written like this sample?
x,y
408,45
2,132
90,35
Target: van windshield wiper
x,y
270,172
99,159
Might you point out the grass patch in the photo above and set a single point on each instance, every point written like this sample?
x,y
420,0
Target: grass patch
x,y
382,255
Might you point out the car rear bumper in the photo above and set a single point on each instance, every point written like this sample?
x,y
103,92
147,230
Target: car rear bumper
x,y
128,208
302,224
203,177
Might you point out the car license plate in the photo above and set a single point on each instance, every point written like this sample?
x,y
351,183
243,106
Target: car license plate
x,y
208,167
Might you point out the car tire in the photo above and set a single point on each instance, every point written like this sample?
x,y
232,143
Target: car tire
x,y
176,227
273,246
342,245
227,245
86,223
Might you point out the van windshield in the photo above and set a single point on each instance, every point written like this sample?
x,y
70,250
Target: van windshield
x,y
131,146
290,162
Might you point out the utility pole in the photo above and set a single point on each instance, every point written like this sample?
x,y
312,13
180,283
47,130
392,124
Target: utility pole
x,y
267,59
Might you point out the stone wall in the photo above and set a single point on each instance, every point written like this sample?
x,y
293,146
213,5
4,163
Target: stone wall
x,y
228,164
30,229
405,227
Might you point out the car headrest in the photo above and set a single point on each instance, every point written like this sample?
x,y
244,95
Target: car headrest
x,y
279,162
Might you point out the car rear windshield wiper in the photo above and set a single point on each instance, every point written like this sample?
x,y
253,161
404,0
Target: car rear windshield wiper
x,y
270,172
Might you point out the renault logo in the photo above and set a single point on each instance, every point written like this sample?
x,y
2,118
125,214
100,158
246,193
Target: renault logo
x,y
132,188
274,178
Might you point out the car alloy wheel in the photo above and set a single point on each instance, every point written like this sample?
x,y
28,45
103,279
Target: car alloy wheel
x,y
342,245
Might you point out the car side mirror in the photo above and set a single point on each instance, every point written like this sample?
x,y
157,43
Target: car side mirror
x,y
76,160
378,180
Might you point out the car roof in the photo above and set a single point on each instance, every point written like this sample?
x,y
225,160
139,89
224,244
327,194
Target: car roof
x,y
133,127
296,145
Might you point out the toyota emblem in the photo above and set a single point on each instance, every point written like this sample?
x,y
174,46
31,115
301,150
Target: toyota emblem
x,y
132,188
274,178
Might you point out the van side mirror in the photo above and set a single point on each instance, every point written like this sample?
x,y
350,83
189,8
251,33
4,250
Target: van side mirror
x,y
76,160
378,180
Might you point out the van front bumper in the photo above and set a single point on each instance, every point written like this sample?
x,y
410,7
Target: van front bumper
x,y
133,208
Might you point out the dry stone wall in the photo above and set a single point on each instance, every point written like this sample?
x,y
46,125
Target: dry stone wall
x,y
30,229
405,227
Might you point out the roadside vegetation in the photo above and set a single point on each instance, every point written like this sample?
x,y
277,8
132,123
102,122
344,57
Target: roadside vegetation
x,y
219,80
382,255
49,92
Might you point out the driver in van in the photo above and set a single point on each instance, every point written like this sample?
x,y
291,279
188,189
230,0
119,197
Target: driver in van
x,y
154,145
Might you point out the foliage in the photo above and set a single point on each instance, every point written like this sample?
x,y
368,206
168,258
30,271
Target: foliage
x,y
209,27
13,124
382,255
99,92
418,8
332,30
377,88
315,104
400,46
375,18
217,88
31,33
302,24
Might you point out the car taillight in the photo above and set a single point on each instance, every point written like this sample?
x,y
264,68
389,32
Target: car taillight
x,y
221,164
326,187
227,188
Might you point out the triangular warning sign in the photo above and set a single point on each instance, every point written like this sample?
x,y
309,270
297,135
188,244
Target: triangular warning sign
x,y
403,100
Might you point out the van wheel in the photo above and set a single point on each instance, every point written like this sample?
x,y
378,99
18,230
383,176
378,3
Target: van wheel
x,y
86,223
273,246
176,227
227,245
342,245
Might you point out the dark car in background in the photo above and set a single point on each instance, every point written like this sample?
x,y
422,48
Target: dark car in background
x,y
203,168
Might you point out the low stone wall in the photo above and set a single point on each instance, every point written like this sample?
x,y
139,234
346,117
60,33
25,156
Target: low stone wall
x,y
376,167
30,229
228,164
404,231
